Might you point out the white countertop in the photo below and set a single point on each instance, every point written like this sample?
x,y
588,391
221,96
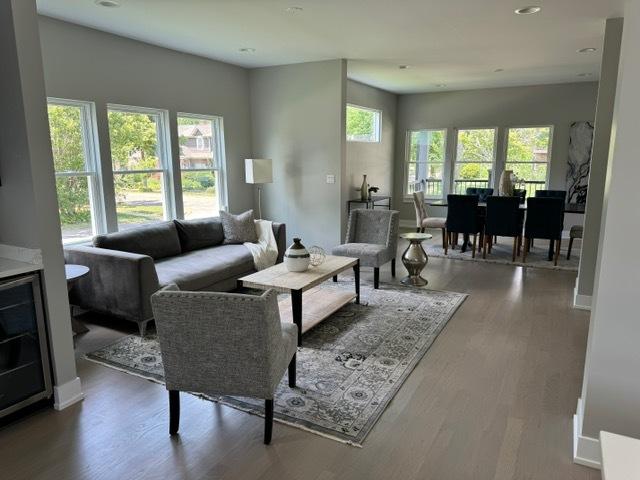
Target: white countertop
x,y
9,267
620,457
18,260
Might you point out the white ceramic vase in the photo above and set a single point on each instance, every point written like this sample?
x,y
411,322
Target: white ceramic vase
x,y
506,183
296,257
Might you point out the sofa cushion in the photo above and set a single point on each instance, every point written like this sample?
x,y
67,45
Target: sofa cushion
x,y
198,269
238,228
200,233
158,240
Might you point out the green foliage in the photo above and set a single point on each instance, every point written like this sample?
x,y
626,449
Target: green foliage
x,y
360,123
134,141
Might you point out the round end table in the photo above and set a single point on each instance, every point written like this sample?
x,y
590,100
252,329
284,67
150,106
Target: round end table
x,y
415,258
73,273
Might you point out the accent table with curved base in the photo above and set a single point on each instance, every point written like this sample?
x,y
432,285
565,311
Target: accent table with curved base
x,y
415,258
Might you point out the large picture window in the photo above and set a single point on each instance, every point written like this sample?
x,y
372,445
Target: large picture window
x,y
528,156
425,162
201,165
363,124
139,155
475,157
73,142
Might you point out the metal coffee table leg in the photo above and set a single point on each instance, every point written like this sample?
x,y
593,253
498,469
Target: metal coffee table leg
x,y
414,259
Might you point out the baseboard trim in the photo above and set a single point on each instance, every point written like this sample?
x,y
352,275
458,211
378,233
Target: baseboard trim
x,y
67,394
581,302
586,450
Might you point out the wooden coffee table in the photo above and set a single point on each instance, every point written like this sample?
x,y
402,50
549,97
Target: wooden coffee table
x,y
304,288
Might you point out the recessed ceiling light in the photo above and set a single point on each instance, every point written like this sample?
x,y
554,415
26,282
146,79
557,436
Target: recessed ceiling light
x,y
498,70
293,10
440,85
247,50
585,74
108,3
404,67
531,9
587,50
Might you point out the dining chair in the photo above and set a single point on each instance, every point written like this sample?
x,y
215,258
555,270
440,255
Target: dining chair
x,y
574,232
424,221
504,218
551,194
462,217
223,344
482,193
545,219
521,193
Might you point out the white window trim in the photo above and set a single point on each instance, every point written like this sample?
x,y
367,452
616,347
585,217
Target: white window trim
x,y
407,151
164,154
377,124
219,156
455,162
93,171
550,151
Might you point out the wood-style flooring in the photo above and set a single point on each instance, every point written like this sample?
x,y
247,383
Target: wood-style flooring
x,y
492,399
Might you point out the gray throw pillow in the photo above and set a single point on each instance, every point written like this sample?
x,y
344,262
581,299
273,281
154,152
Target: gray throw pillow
x,y
238,228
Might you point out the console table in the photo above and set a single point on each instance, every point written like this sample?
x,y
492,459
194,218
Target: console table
x,y
373,202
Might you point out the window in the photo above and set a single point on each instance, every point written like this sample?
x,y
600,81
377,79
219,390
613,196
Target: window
x,y
425,162
475,154
528,156
363,124
201,165
72,127
139,155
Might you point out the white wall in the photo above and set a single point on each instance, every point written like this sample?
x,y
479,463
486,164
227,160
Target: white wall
x,y
298,121
611,387
28,205
373,159
85,64
557,105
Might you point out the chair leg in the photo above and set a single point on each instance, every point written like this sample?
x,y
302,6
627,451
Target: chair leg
x,y
174,411
393,267
142,327
422,230
444,239
335,278
473,247
376,278
519,245
417,229
555,257
515,249
485,246
292,372
268,421
490,243
526,250
570,247
495,239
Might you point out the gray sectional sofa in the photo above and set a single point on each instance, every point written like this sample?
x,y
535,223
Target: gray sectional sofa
x,y
127,267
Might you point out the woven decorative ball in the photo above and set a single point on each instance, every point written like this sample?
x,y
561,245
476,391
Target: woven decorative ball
x,y
317,255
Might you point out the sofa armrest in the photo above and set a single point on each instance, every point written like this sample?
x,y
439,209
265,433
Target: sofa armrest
x,y
280,232
118,283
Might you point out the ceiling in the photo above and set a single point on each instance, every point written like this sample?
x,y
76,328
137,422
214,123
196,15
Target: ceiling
x,y
448,44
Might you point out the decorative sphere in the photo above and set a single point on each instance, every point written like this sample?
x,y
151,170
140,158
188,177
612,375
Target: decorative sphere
x,y
317,255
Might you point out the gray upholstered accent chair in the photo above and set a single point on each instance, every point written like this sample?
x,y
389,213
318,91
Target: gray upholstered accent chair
x,y
372,236
576,231
223,344
424,221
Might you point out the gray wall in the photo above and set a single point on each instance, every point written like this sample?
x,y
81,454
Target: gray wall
x,y
28,205
86,64
298,121
557,105
373,159
599,157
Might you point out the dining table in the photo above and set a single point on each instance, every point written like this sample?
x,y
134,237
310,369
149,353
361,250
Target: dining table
x,y
577,208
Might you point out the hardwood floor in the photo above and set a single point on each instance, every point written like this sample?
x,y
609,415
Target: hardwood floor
x,y
492,399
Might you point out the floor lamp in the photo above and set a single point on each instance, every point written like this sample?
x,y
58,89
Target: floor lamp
x,y
258,171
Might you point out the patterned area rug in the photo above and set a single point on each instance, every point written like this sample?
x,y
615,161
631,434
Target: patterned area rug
x,y
501,253
349,368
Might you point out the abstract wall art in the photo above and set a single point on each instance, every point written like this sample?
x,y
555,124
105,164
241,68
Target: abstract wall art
x,y
579,161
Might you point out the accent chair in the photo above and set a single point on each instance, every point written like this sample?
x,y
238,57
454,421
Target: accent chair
x,y
424,221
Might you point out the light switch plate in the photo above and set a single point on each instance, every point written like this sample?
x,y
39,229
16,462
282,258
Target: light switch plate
x,y
331,179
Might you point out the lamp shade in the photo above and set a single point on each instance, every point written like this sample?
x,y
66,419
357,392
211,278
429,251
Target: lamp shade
x,y
258,170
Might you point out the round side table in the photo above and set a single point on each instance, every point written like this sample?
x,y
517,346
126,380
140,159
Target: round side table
x,y
415,258
73,273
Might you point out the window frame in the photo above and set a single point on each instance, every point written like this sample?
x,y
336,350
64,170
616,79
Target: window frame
x,y
377,123
92,161
408,195
219,156
506,162
164,156
455,162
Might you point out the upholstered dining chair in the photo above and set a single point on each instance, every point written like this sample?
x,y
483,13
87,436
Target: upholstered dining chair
x,y
574,232
223,344
504,218
424,221
462,217
482,193
551,194
545,219
372,236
